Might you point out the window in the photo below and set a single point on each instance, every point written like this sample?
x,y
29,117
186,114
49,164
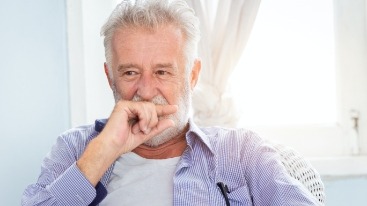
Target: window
x,y
286,75
300,77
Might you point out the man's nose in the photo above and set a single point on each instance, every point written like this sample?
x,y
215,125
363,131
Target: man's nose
x,y
147,86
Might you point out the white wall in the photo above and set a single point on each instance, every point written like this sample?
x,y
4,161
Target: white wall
x,y
33,88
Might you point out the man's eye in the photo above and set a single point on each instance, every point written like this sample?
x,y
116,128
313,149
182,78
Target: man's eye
x,y
130,73
161,72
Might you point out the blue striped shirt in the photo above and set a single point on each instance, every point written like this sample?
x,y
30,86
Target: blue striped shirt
x,y
247,164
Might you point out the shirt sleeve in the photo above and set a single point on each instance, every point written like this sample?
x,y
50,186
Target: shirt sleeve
x,y
270,183
60,182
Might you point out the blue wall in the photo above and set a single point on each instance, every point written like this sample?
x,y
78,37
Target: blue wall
x,y
33,89
347,191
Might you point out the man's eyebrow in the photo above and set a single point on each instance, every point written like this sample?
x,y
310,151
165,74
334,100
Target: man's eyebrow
x,y
165,65
122,67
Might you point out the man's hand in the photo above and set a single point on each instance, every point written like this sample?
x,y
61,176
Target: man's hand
x,y
133,123
130,125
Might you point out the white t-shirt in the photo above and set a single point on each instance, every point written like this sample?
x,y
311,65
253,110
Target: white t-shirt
x,y
139,181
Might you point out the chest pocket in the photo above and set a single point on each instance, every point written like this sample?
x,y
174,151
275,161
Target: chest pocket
x,y
230,171
238,196
232,175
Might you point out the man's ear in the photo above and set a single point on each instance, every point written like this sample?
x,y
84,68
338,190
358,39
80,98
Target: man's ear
x,y
106,71
195,72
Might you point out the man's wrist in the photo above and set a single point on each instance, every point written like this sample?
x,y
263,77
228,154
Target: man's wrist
x,y
96,159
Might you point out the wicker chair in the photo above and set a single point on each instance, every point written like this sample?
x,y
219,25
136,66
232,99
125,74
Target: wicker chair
x,y
299,168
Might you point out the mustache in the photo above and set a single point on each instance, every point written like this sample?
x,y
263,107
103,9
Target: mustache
x,y
157,100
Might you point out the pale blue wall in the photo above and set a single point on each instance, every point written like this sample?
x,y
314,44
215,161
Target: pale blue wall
x,y
347,191
33,89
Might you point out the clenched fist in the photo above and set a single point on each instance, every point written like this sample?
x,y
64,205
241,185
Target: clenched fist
x,y
130,125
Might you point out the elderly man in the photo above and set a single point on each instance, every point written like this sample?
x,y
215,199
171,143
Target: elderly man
x,y
149,151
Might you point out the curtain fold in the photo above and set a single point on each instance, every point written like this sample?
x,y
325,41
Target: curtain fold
x,y
222,43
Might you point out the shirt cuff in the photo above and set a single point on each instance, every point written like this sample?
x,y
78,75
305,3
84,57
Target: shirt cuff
x,y
72,188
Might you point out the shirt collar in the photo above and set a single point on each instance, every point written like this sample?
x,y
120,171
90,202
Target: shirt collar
x,y
192,134
195,133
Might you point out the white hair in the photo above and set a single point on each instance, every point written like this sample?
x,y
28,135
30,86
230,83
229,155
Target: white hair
x,y
150,14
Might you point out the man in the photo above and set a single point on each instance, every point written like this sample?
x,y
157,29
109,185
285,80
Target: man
x,y
149,151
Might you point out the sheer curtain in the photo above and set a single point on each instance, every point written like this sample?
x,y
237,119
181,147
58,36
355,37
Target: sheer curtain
x,y
225,29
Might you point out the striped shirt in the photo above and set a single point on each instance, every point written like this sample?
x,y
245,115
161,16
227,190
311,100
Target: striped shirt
x,y
238,158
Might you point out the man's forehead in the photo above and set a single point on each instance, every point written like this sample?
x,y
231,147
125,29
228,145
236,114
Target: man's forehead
x,y
137,40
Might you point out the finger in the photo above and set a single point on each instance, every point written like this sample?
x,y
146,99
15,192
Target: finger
x,y
161,126
166,109
141,126
152,115
139,114
153,121
153,118
135,129
147,117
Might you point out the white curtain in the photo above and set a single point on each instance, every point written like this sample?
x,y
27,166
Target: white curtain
x,y
225,29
